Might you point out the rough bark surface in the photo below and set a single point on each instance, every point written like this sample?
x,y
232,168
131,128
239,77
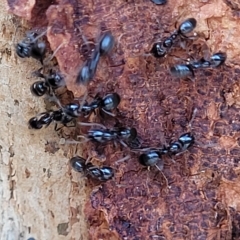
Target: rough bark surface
x,y
35,185
199,196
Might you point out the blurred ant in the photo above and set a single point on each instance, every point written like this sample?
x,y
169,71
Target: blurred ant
x,y
51,82
160,49
187,70
99,173
106,104
32,47
46,118
87,72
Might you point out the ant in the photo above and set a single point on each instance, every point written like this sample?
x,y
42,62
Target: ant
x,y
73,110
102,174
51,82
152,156
105,135
185,70
160,49
46,118
107,103
32,47
124,135
87,72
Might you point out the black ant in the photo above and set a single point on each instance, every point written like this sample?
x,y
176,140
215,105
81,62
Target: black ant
x,y
32,47
46,118
51,82
152,156
89,68
100,173
123,134
107,103
102,135
185,70
160,49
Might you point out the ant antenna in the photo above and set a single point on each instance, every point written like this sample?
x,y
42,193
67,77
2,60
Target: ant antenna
x,y
91,124
109,113
54,53
39,36
162,175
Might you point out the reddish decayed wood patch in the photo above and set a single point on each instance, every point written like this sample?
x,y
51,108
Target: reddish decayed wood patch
x,y
201,198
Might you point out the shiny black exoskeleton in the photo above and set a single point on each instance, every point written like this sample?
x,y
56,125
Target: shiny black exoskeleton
x,y
31,47
89,68
151,158
107,103
106,135
100,173
160,49
182,144
187,70
159,2
45,119
52,81
106,43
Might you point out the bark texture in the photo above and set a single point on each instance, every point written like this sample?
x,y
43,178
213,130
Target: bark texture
x,y
35,185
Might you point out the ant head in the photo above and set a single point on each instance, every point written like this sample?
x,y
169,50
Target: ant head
x,y
187,26
78,163
39,88
218,59
157,50
23,50
111,101
34,123
150,158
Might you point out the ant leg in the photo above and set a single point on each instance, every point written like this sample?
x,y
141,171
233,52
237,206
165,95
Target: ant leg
x,y
57,129
38,73
39,36
170,157
192,118
123,143
122,159
88,159
91,124
160,169
109,113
